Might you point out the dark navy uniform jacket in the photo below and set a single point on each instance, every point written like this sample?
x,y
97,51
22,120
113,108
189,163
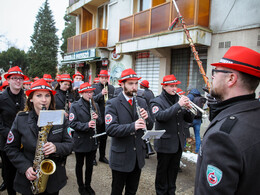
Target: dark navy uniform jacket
x,y
99,98
229,160
127,146
171,118
24,132
60,99
79,118
8,111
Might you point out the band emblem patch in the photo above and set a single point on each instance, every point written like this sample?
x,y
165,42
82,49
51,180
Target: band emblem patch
x,y
71,117
108,119
10,137
155,109
214,175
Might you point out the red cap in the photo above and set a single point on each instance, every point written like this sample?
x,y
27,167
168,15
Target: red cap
x,y
241,59
170,80
145,83
47,77
103,73
85,87
41,85
36,79
179,91
5,83
27,81
96,80
64,77
128,74
78,74
15,70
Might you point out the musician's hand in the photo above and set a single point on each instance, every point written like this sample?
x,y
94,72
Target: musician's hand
x,y
91,124
30,174
94,115
184,101
104,91
66,115
140,124
143,113
49,148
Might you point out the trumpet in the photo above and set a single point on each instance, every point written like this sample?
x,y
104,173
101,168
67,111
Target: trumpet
x,y
194,108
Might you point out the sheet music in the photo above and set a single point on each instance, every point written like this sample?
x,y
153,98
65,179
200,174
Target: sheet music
x,y
54,116
153,134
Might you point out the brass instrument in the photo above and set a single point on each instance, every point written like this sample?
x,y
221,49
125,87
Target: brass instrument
x,y
147,141
105,95
194,108
42,167
95,128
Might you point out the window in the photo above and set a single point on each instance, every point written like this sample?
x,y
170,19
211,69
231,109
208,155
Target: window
x,y
102,17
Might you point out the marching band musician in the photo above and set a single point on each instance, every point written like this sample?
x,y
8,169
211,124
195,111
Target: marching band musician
x,y
168,112
22,141
64,97
84,145
228,160
99,94
77,78
12,100
127,151
26,84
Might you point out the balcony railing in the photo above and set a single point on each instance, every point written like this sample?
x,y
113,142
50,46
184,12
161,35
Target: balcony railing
x,y
158,19
90,39
71,2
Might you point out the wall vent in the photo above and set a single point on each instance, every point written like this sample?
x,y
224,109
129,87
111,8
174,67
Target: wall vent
x,y
227,44
258,40
221,45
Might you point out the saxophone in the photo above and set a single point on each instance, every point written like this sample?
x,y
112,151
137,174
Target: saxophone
x,y
42,167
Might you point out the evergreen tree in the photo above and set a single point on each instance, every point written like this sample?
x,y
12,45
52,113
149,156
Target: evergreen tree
x,y
69,31
14,57
45,42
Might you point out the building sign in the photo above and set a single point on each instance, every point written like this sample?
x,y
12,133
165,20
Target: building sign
x,y
143,55
116,56
91,53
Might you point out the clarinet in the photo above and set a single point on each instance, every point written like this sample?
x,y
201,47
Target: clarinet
x,y
95,128
147,141
66,107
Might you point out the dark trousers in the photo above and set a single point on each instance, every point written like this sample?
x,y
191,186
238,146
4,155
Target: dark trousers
x,y
102,141
80,156
129,180
9,173
166,172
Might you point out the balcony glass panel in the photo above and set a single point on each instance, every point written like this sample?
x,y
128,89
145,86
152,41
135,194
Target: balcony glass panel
x,y
203,18
126,29
77,43
84,41
70,45
187,9
160,18
102,38
141,23
92,38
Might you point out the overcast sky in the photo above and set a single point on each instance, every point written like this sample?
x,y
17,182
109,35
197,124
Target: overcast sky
x,y
17,18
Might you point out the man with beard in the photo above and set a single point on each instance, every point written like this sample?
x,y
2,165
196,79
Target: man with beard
x,y
229,157
170,113
102,89
127,152
11,102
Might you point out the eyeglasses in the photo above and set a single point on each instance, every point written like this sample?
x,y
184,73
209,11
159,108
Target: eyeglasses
x,y
216,70
17,78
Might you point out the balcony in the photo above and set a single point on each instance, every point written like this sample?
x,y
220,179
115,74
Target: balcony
x,y
157,19
87,40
